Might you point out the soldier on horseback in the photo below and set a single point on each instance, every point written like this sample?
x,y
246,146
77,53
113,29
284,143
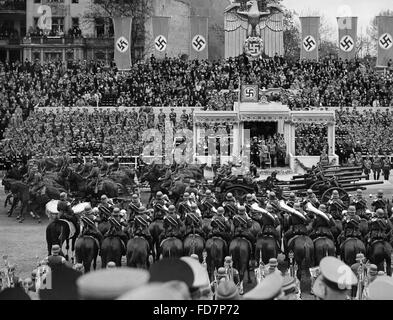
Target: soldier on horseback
x,y
192,188
37,184
230,205
116,227
243,223
379,227
360,204
193,221
292,199
134,206
269,222
141,224
89,227
184,206
350,226
220,226
321,227
160,204
105,208
94,175
250,200
335,206
297,224
208,204
312,198
380,202
115,166
172,224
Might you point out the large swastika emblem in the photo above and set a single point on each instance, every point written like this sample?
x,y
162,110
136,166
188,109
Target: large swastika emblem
x,y
386,41
199,43
160,43
122,44
347,44
309,43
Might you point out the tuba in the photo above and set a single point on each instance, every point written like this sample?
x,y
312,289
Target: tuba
x,y
258,209
311,208
290,210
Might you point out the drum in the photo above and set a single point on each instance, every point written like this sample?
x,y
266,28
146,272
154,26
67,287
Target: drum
x,y
80,207
51,209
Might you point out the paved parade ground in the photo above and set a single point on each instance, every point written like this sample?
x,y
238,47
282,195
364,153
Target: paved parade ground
x,y
25,243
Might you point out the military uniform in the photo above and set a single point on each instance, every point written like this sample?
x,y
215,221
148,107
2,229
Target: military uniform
x,y
172,225
242,223
66,213
141,225
208,204
94,176
380,202
335,207
220,226
322,228
230,206
89,227
360,204
134,206
105,208
172,117
193,222
116,229
379,228
184,206
192,188
269,223
297,224
159,205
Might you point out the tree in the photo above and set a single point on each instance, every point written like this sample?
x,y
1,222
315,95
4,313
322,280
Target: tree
x,y
139,10
291,36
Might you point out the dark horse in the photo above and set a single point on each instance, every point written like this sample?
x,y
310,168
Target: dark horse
x,y
268,247
240,251
58,232
86,252
156,228
194,243
171,248
152,176
303,250
350,248
216,249
138,253
111,250
20,192
323,246
380,252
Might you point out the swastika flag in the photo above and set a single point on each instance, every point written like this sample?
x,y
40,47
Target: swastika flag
x,y
310,38
160,36
122,53
199,37
347,37
385,40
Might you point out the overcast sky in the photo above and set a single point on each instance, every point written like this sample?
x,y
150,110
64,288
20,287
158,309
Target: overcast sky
x,y
365,10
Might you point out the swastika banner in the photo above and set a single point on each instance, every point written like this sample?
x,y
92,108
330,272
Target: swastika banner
x,y
347,37
310,38
160,36
249,93
385,40
199,37
122,27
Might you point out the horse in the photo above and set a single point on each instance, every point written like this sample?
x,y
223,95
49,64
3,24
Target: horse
x,y
138,253
171,248
379,252
194,243
60,231
206,226
216,249
111,250
152,177
267,246
240,251
363,227
86,252
176,189
20,191
303,250
350,248
156,228
323,246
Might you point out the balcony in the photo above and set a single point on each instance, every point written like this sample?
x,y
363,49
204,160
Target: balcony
x,y
4,41
54,40
10,6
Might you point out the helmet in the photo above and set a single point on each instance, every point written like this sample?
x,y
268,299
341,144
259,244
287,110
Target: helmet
x,y
249,196
194,206
297,206
335,193
134,196
159,195
228,260
380,213
272,195
111,265
171,208
220,210
192,183
55,249
309,191
242,209
63,196
380,193
269,207
229,196
104,197
208,192
322,207
116,212
292,195
351,210
142,210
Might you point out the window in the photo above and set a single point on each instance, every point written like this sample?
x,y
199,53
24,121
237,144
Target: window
x,y
36,55
75,22
100,27
37,1
57,25
75,1
70,55
99,55
52,56
35,22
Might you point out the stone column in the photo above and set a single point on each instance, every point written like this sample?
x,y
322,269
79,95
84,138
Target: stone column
x,y
331,138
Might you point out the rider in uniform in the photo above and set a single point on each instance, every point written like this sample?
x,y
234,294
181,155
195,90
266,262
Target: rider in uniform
x,y
141,226
208,202
297,224
94,175
380,202
335,206
230,205
312,198
184,206
220,226
243,223
379,227
105,208
192,188
116,228
89,227
350,226
360,204
159,204
66,213
134,206
172,224
292,199
270,222
321,227
250,200
193,221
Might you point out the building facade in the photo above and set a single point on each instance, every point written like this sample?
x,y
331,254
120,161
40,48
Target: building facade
x,y
72,36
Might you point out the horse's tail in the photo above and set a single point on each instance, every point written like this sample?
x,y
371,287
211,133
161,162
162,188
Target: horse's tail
x,y
307,255
214,253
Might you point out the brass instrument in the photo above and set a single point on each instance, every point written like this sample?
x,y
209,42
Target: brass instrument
x,y
258,209
311,208
260,271
290,210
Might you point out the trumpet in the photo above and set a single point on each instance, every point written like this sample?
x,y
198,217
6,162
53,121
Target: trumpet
x,y
291,210
258,209
311,208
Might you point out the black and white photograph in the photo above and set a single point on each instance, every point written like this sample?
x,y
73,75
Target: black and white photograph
x,y
217,151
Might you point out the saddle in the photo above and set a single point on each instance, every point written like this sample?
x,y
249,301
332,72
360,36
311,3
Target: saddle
x,y
290,241
71,227
94,238
346,240
163,241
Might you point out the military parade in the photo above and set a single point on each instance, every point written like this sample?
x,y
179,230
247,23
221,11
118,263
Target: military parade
x,y
235,154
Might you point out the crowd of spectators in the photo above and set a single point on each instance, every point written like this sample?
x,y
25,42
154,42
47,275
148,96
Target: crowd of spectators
x,y
310,139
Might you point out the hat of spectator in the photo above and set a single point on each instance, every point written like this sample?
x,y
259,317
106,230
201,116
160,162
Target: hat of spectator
x,y
158,291
55,249
110,283
227,290
289,285
269,289
201,278
171,269
381,288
